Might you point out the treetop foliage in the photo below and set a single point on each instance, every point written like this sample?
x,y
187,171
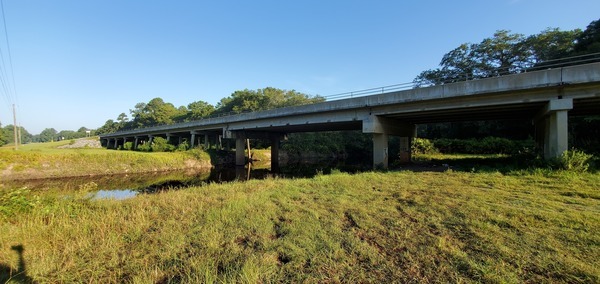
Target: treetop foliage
x,y
508,53
159,112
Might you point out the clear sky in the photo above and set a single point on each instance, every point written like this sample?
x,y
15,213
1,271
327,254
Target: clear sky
x,y
81,62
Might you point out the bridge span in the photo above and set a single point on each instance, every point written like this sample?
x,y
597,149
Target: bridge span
x,y
547,98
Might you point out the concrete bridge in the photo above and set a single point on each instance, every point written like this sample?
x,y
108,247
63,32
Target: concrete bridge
x,y
546,97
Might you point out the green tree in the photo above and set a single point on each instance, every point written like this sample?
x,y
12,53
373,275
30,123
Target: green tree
x,y
9,137
122,119
109,126
3,138
501,54
589,40
551,43
198,110
155,112
48,135
264,99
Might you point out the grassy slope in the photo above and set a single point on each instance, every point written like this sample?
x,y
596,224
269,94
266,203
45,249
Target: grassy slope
x,y
370,227
43,160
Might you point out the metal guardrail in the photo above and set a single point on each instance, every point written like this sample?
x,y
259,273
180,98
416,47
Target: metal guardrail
x,y
535,66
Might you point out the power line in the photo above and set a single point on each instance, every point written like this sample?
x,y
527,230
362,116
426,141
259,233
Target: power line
x,y
12,71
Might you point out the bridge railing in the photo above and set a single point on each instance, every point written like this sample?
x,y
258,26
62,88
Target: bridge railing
x,y
530,67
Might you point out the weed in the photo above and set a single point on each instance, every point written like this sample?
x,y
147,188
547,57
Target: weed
x,y
573,160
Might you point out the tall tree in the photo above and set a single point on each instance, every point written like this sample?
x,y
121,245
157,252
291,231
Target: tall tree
x,y
122,119
551,43
109,126
589,40
155,112
264,99
504,53
198,110
3,135
48,135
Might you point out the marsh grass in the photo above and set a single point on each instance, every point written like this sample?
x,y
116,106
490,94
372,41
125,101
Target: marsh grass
x,y
370,227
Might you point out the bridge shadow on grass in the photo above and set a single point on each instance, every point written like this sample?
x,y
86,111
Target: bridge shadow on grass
x,y
9,274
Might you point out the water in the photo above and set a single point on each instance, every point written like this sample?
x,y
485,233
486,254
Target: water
x,y
125,186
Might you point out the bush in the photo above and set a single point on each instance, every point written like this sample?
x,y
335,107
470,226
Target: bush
x,y
423,146
128,146
160,144
573,160
183,146
146,147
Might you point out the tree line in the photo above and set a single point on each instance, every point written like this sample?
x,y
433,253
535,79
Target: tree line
x,y
47,135
159,112
509,53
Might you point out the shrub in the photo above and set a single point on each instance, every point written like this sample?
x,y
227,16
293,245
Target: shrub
x,y
573,160
128,146
146,147
183,146
160,144
423,146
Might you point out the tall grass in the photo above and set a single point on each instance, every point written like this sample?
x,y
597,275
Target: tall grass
x,y
369,227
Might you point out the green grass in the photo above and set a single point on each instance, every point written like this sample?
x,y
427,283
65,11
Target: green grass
x,y
370,227
45,160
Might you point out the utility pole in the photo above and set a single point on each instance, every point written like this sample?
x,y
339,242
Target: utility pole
x,y
15,127
20,137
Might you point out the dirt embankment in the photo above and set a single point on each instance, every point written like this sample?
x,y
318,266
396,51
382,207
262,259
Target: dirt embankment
x,y
82,143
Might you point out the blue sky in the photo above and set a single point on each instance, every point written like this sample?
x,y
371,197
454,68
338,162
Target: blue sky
x,y
79,63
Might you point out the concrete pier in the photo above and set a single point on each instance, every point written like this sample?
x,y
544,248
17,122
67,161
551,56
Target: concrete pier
x,y
552,127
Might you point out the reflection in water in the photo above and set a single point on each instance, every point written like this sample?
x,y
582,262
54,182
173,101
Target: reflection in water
x,y
128,185
118,194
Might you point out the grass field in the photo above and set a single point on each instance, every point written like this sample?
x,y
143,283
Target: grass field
x,y
531,226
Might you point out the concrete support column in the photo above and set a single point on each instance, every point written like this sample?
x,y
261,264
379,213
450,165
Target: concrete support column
x,y
380,151
193,133
116,145
136,142
240,158
381,127
180,140
275,153
150,138
552,128
206,142
406,139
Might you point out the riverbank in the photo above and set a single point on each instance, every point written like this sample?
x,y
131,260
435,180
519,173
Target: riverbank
x,y
539,226
60,159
